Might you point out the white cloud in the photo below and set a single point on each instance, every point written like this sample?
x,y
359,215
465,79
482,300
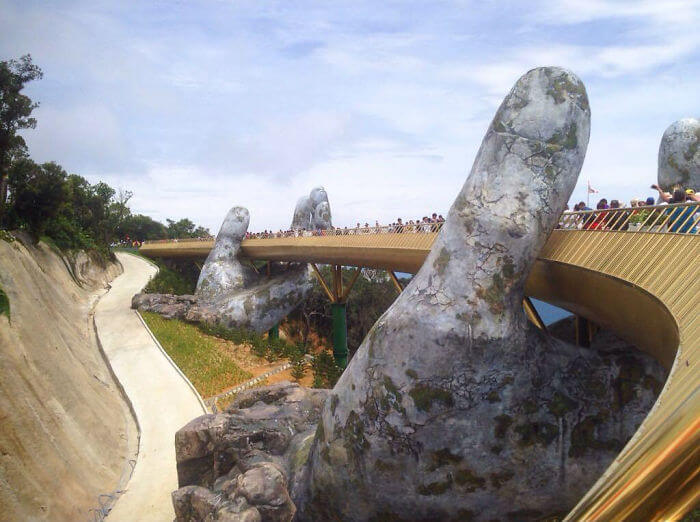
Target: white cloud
x,y
197,107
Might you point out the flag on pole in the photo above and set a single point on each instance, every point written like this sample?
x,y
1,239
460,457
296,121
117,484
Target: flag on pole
x,y
590,191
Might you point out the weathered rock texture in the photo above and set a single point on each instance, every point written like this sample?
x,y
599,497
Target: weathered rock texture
x,y
241,465
229,291
679,155
66,433
453,406
313,212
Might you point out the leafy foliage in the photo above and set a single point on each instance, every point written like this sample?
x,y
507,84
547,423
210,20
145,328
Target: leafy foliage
x,y
169,281
326,372
15,114
47,201
368,300
270,349
185,228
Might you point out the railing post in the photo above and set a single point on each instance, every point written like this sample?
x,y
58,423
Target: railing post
x,y
340,334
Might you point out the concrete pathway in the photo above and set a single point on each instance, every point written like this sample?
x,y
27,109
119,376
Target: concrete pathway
x,y
161,398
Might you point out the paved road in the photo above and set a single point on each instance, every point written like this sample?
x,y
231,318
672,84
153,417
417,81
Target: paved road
x,y
162,400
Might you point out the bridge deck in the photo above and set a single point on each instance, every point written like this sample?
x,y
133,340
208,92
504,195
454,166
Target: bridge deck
x,y
644,286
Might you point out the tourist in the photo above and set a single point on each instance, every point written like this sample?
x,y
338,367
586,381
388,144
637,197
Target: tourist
x,y
617,219
680,219
666,197
597,220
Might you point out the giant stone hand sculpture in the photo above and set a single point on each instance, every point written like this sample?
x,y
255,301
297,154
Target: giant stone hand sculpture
x,y
230,292
679,155
313,212
438,407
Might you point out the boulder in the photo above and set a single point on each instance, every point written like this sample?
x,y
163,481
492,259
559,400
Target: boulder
x,y
454,407
679,155
249,457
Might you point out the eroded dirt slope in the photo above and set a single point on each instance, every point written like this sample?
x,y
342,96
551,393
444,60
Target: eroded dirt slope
x,y
66,434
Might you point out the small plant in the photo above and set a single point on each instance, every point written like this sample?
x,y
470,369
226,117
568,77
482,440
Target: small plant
x,y
638,217
297,355
326,372
299,369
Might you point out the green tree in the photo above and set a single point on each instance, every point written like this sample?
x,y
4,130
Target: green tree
x,y
15,114
39,193
184,229
143,228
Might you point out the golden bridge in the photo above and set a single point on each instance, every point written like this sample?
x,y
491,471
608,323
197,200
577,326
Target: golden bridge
x,y
635,271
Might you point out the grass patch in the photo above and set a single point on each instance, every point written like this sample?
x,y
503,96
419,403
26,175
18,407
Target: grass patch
x,y
210,370
4,303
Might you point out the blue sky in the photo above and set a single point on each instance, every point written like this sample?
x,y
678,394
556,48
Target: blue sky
x,y
197,106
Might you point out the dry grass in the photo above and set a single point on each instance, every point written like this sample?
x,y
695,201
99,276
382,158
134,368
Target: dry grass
x,y
207,362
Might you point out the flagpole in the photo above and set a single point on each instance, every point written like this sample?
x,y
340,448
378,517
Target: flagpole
x,y
588,194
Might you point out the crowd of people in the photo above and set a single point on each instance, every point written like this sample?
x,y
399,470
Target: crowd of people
x,y
617,216
421,225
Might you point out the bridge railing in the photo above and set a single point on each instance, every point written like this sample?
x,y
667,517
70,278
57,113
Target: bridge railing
x,y
417,228
676,218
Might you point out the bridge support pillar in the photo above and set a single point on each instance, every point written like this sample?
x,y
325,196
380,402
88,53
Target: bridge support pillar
x,y
274,332
340,334
338,293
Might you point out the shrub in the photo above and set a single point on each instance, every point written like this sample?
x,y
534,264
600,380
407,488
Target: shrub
x,y
326,372
168,281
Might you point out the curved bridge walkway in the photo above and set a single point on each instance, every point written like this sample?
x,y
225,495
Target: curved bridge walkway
x,y
161,399
638,277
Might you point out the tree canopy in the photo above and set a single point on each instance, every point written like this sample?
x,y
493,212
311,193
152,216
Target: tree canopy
x,y
45,200
15,114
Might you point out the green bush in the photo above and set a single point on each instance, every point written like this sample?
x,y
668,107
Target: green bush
x,y
168,281
326,372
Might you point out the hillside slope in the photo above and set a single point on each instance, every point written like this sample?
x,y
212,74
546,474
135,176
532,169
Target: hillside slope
x,y
66,433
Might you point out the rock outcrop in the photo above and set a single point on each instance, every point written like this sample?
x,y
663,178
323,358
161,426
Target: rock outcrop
x,y
679,155
229,291
313,212
454,406
241,465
